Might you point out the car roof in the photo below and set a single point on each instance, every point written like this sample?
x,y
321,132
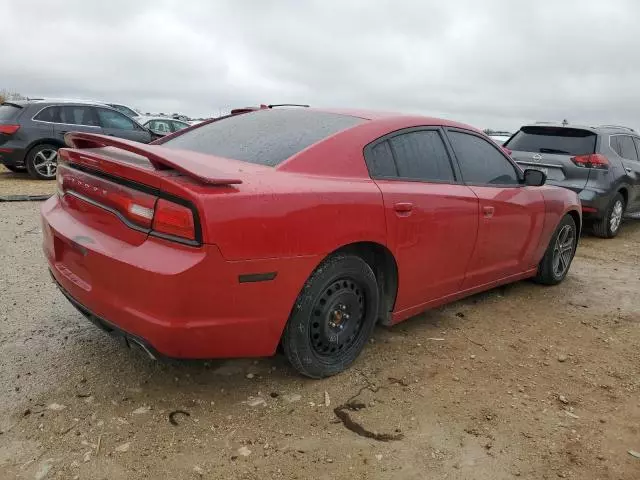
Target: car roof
x,y
601,129
395,117
57,101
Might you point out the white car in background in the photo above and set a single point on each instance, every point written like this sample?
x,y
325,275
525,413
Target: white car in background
x,y
500,137
162,125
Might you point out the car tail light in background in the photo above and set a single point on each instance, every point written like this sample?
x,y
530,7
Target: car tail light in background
x,y
594,160
9,129
173,219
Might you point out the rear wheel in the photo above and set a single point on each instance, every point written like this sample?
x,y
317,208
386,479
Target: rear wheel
x,y
42,161
332,318
609,225
555,264
15,168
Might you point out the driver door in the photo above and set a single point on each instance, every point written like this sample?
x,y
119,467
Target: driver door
x,y
510,215
118,124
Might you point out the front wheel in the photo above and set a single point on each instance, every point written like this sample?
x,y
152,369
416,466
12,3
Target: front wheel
x,y
555,264
332,318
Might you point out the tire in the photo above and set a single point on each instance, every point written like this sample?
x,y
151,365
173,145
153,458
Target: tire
x,y
609,225
332,318
42,161
15,168
555,264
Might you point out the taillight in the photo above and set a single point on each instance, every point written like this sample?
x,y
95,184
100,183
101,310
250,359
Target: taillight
x,y
9,129
173,219
135,206
594,160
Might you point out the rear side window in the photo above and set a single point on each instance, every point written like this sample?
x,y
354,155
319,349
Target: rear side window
x,y
380,161
480,162
265,137
8,112
49,114
554,140
422,155
627,149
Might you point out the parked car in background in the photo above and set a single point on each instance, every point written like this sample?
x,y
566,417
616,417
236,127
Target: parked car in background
x,y
162,125
295,227
601,164
500,137
32,131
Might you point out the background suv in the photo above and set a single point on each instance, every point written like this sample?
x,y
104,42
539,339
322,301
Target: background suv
x,y
601,164
32,131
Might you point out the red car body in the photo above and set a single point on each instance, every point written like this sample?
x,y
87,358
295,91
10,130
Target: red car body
x,y
260,232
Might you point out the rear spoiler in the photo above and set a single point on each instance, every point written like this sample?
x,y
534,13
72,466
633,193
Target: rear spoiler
x,y
198,170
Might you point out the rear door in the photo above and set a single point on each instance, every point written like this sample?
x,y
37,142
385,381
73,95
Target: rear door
x,y
632,170
550,149
118,124
511,216
432,218
74,118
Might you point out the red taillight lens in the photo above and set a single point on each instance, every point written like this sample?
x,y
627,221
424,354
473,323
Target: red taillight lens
x,y
135,206
173,219
595,160
9,129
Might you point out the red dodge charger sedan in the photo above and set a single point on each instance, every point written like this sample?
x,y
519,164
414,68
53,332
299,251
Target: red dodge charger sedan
x,y
296,227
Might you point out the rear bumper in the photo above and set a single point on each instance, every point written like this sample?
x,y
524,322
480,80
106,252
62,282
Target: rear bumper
x,y
175,301
12,156
594,202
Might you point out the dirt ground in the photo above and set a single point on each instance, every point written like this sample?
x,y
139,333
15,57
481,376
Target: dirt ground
x,y
22,184
520,382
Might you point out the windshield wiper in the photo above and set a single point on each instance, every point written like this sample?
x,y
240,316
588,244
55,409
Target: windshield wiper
x,y
553,150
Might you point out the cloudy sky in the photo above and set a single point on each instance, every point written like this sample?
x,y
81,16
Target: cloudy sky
x,y
493,63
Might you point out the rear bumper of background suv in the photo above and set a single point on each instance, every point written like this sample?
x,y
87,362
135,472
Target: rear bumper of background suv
x,y
12,156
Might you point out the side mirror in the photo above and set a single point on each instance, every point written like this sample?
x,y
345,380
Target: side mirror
x,y
534,178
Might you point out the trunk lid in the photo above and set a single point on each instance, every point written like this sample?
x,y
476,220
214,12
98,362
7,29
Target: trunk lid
x,y
551,150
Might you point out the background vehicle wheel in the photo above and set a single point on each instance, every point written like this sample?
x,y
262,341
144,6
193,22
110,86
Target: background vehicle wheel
x,y
16,169
609,225
42,161
332,318
555,264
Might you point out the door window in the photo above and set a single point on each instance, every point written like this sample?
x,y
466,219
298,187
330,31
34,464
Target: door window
x,y
78,115
421,155
480,162
160,126
113,119
627,149
637,142
176,126
49,114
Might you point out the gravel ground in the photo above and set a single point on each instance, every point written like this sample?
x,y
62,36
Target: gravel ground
x,y
520,382
22,184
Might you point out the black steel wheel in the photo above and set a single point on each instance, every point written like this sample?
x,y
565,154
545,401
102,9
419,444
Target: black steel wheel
x,y
333,317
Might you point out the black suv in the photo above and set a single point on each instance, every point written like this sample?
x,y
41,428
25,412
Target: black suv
x,y
601,164
32,131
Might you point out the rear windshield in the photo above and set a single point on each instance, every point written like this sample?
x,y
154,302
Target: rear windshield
x,y
562,141
8,111
264,137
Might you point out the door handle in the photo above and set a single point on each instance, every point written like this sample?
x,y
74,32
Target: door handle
x,y
403,207
488,211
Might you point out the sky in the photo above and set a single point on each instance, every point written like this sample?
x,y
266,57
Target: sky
x,y
493,64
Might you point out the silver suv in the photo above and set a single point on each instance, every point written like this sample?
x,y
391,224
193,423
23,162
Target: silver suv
x,y
601,164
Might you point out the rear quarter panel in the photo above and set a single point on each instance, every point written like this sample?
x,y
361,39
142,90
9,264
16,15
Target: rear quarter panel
x,y
288,215
558,203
